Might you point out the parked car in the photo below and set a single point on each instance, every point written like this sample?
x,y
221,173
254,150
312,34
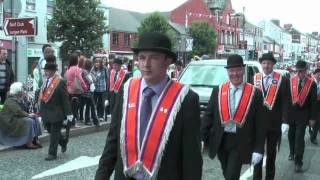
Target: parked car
x,y
203,76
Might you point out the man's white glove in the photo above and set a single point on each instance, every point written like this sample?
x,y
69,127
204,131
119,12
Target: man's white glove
x,y
256,158
284,128
92,87
69,119
202,146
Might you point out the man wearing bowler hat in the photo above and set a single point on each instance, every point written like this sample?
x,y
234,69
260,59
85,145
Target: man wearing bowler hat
x,y
155,125
233,127
54,108
117,79
274,90
302,107
315,127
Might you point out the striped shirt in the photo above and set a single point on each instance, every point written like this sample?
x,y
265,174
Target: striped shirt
x,y
101,79
3,76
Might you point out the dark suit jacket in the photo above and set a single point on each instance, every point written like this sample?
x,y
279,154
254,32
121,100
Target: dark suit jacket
x,y
250,138
58,107
307,111
278,114
182,158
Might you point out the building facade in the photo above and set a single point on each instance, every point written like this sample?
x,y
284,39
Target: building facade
x,y
28,49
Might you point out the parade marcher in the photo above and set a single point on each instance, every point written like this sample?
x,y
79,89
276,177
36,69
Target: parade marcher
x,y
233,127
316,126
117,79
6,74
54,109
302,107
274,89
164,144
18,127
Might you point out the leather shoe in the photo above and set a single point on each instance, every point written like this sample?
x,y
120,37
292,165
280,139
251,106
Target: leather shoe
x,y
50,157
298,168
291,157
64,148
97,124
314,141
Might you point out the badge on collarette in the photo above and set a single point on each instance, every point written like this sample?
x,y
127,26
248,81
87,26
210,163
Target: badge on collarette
x,y
258,83
132,105
274,81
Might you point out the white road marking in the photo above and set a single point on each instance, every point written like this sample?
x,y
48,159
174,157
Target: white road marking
x,y
78,163
249,172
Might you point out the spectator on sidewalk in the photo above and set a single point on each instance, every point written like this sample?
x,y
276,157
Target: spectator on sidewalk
x,y
75,84
100,73
17,127
6,74
90,112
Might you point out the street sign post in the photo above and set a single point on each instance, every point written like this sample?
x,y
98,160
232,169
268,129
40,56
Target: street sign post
x,y
20,26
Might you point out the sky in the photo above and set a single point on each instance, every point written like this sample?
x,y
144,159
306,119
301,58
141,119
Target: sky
x,y
303,14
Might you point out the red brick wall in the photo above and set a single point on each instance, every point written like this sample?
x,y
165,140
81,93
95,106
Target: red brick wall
x,y
195,7
121,45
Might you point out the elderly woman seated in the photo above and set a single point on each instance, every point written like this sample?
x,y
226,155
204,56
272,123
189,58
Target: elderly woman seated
x,y
17,127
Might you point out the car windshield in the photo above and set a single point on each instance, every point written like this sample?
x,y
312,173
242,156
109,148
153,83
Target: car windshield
x,y
204,75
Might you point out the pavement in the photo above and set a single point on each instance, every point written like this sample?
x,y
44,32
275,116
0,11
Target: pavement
x,y
82,129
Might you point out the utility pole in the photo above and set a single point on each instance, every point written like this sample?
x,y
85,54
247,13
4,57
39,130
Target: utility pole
x,y
14,41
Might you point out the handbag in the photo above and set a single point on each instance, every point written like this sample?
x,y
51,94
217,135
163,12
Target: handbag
x,y
76,84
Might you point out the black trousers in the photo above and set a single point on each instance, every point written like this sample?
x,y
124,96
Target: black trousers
x,y
272,139
296,134
229,157
3,96
55,137
90,111
99,98
75,104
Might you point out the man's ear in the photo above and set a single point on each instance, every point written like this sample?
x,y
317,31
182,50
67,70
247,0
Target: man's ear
x,y
169,60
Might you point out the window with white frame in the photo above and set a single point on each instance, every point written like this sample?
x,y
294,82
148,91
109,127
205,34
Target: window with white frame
x,y
31,5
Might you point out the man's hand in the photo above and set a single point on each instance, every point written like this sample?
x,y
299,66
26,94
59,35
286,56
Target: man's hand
x,y
69,119
256,158
284,128
202,146
312,122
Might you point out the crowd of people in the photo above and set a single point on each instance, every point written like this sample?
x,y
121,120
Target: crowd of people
x,y
156,131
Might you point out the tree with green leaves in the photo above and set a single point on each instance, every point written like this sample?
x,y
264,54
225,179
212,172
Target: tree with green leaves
x,y
204,38
156,22
78,24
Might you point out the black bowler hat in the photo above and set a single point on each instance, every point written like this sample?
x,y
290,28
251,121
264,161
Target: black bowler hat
x,y
234,61
316,71
51,67
117,61
155,42
301,64
268,56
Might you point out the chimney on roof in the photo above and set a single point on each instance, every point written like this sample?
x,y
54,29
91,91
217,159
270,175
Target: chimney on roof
x,y
287,26
276,22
